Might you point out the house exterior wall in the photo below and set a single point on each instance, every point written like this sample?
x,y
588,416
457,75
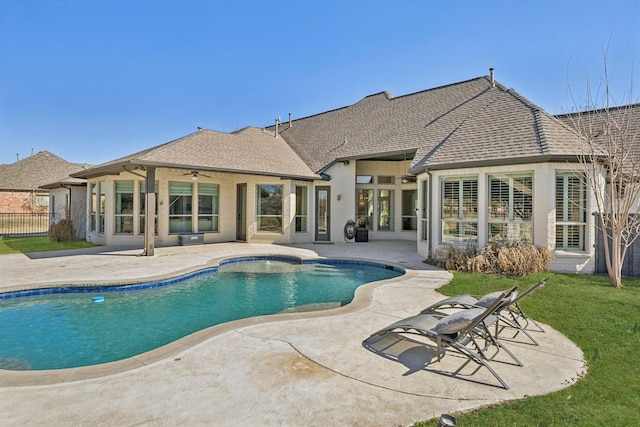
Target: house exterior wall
x,y
69,202
226,182
544,211
27,201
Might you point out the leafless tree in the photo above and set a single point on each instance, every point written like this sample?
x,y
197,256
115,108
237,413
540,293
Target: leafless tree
x,y
610,159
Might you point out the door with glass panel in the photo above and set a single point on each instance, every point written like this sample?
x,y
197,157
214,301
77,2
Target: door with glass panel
x,y
241,212
323,206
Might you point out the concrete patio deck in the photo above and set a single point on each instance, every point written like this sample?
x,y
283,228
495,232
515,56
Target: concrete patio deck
x,y
294,369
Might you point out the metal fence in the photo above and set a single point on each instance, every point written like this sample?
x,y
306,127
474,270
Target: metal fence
x,y
26,224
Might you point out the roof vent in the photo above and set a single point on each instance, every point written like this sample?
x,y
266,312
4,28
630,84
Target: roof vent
x,y
493,80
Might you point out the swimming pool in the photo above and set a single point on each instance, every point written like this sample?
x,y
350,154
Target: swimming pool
x,y
65,327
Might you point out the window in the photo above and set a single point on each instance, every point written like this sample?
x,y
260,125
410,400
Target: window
x,y
301,209
571,211
42,200
364,179
385,210
97,207
383,179
364,208
409,214
180,207
143,209
208,201
511,207
124,207
269,208
93,221
101,207
460,210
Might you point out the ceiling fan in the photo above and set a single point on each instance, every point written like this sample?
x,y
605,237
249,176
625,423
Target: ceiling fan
x,y
195,174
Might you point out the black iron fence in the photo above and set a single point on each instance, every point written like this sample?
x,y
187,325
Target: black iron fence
x,y
26,224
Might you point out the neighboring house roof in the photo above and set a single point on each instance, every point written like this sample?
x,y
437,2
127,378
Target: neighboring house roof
x,y
34,171
614,133
249,150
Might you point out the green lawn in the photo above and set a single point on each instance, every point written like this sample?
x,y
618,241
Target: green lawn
x,y
603,321
12,245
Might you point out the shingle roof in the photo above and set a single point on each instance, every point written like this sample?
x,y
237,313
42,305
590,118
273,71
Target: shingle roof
x,y
473,122
468,122
497,126
249,150
377,124
32,172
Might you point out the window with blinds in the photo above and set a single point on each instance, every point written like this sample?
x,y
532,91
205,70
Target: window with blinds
x,y
571,211
459,210
510,207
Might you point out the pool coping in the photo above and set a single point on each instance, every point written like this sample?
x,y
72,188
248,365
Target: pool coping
x,y
362,299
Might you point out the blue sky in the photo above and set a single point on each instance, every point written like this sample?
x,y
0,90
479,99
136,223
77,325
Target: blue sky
x,y
95,80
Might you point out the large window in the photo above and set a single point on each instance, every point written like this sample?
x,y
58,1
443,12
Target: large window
x,y
124,207
385,210
269,208
571,211
143,193
409,207
208,201
180,207
460,210
511,207
364,208
301,209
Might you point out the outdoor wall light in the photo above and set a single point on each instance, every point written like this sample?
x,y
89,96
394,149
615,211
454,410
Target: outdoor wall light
x,y
339,196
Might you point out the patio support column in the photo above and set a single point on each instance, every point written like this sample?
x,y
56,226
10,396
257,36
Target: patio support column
x,y
150,212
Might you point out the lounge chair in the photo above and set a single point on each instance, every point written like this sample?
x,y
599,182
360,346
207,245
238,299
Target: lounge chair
x,y
509,315
461,332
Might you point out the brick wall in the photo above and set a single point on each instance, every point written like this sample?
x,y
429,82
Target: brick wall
x,y
24,202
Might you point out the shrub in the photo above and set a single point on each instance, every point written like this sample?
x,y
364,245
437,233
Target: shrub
x,y
62,231
451,258
512,259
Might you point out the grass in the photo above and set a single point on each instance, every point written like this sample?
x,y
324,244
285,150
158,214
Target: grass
x,y
13,245
604,322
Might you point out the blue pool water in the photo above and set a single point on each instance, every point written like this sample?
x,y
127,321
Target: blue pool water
x,y
74,328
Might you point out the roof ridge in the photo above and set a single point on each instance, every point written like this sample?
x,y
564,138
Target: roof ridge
x,y
461,124
391,97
